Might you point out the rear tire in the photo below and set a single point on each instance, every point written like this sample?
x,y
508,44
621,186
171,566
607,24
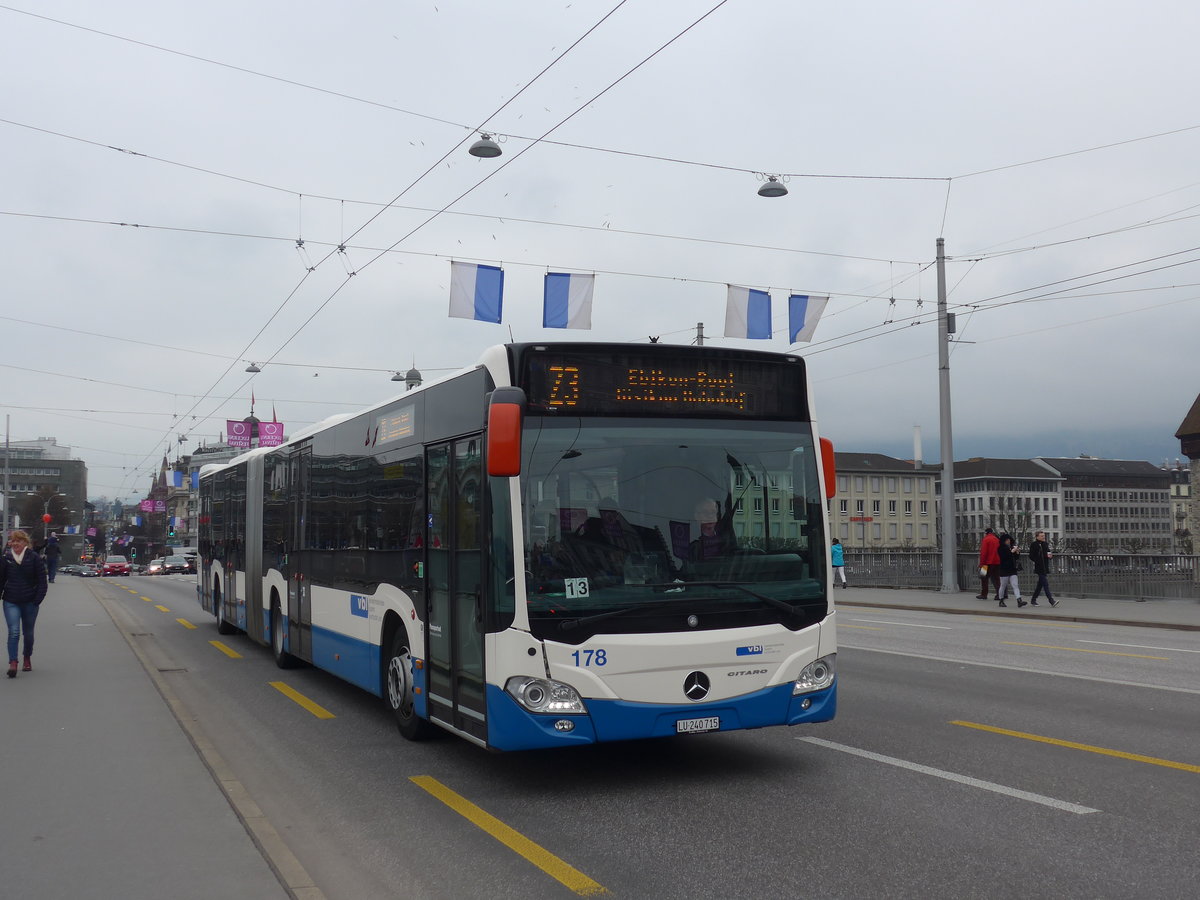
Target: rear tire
x,y
223,627
398,693
283,659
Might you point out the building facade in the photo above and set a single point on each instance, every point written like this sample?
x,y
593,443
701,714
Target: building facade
x,y
883,503
1114,505
1189,444
1014,496
42,479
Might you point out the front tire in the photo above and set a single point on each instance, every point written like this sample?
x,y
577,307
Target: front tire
x,y
399,690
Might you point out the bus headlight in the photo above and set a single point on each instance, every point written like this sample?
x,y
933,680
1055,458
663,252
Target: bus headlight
x,y
541,695
816,676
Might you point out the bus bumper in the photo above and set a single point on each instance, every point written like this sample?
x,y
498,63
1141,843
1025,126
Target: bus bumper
x,y
512,728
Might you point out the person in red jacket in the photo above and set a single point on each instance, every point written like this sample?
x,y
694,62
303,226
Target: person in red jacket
x,y
989,559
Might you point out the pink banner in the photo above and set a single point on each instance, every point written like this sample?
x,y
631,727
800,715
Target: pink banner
x,y
270,434
146,506
237,433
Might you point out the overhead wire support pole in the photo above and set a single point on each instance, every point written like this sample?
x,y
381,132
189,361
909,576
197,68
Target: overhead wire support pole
x,y
949,562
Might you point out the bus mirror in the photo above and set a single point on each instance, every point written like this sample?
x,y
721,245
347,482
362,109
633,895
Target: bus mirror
x,y
505,412
828,467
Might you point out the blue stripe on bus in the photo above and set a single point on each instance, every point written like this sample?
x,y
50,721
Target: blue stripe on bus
x,y
512,728
348,658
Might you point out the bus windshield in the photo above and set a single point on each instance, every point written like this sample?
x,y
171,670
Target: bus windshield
x,y
636,526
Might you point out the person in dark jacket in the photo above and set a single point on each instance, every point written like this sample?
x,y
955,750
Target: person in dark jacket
x,y
1039,555
52,554
23,588
1010,562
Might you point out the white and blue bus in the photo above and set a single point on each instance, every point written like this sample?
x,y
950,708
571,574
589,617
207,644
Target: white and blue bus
x,y
564,544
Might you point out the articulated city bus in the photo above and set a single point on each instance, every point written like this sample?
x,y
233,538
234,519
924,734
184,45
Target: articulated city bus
x,y
563,544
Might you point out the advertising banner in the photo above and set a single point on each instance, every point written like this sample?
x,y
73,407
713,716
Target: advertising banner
x,y
270,434
237,433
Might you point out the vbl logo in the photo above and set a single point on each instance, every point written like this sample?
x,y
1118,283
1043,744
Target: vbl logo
x,y
358,605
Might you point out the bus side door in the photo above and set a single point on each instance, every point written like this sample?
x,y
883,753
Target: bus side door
x,y
454,583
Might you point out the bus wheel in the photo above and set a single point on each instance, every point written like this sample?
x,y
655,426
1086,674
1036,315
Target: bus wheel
x,y
283,659
223,627
399,694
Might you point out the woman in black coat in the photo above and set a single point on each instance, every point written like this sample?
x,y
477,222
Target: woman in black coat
x,y
23,588
1010,562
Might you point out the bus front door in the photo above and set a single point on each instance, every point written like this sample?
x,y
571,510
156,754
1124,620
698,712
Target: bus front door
x,y
454,585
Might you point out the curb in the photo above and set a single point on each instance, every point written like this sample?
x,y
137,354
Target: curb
x,y
996,613
292,875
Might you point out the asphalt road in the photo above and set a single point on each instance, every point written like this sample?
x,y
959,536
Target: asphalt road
x,y
971,757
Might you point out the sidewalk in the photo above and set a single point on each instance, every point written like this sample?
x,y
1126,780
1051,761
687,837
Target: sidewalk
x,y
102,794
1183,615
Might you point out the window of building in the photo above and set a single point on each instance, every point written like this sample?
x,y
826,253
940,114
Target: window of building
x,y
924,507
908,507
843,506
892,507
875,507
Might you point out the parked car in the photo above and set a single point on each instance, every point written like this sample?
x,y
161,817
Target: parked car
x,y
88,572
175,565
155,567
67,569
115,565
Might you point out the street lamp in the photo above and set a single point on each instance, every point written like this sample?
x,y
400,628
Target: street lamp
x,y
46,512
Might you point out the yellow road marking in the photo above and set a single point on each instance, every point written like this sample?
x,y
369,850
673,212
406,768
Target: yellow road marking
x,y
147,599
514,840
160,606
228,651
185,623
859,627
1081,650
1120,754
292,694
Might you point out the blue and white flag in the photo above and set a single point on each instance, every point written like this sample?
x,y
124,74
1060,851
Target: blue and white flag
x,y
748,314
803,313
174,478
568,300
476,292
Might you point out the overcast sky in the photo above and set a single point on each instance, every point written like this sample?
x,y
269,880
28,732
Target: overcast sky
x,y
1052,144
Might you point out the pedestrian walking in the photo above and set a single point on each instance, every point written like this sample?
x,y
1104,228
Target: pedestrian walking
x,y
989,563
1040,556
23,588
52,553
1010,565
838,556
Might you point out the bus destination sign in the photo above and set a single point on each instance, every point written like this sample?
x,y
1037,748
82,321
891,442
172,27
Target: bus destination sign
x,y
669,382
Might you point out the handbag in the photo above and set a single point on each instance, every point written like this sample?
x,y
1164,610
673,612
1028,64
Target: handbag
x,y
983,571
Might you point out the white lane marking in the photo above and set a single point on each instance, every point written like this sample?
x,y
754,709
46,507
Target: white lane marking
x,y
1024,670
951,776
905,624
1139,646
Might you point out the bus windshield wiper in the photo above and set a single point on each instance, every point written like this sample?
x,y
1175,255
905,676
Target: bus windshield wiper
x,y
571,624
770,601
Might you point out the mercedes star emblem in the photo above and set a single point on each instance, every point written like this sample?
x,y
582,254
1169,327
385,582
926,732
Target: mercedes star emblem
x,y
696,686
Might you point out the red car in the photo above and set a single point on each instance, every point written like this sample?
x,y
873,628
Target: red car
x,y
116,565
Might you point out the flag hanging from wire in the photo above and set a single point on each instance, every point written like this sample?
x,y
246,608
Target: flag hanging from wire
x,y
803,313
568,300
748,313
476,292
